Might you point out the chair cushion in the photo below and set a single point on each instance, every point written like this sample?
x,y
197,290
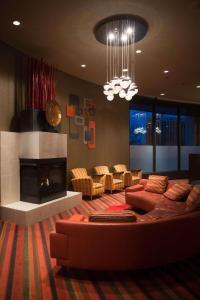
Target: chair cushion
x,y
178,191
97,185
156,184
193,199
116,181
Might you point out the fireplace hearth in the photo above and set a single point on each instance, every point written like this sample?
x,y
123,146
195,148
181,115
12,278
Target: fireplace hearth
x,y
42,180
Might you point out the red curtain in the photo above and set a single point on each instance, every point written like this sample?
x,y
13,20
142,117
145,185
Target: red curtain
x,y
41,84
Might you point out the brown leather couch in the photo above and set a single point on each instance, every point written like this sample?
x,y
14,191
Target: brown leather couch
x,y
77,243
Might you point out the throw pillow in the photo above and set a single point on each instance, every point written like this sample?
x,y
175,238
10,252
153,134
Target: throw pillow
x,y
156,184
193,199
178,191
113,216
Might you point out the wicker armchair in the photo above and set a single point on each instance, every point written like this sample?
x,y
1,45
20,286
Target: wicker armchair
x,y
85,184
112,182
129,177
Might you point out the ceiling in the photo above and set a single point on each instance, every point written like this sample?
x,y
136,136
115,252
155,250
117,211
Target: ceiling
x,y
61,32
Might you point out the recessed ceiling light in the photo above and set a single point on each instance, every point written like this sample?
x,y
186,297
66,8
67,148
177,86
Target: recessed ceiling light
x,y
138,51
198,86
16,23
83,66
166,71
162,94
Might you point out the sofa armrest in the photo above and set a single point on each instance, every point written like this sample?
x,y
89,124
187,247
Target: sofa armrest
x,y
58,245
109,181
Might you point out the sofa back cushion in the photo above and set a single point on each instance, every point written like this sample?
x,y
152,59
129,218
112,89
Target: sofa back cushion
x,y
156,184
178,191
193,199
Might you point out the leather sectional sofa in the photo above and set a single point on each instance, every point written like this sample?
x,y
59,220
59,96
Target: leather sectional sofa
x,y
165,234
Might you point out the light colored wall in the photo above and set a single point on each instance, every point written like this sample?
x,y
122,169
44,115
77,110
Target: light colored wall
x,y
112,120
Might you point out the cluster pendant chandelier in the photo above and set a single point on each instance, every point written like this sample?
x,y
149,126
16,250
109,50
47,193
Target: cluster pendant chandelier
x,y
120,33
120,63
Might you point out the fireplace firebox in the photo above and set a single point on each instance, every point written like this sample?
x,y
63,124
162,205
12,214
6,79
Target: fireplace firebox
x,y
42,180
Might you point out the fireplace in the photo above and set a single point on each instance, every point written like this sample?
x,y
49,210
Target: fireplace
x,y
42,180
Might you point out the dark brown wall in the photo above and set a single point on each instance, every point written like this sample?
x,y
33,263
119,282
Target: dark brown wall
x,y
112,120
7,69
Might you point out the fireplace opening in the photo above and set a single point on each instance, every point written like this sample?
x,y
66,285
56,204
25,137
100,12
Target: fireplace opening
x,y
42,180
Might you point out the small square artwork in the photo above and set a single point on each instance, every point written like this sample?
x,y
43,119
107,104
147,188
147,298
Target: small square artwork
x,y
70,111
79,120
73,133
88,135
89,107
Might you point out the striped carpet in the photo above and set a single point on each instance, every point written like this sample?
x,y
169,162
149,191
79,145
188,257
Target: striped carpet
x,y
27,272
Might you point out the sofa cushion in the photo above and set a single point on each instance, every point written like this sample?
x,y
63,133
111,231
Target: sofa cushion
x,y
117,181
171,182
97,185
193,199
144,200
156,184
178,191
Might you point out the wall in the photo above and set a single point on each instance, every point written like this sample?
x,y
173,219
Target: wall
x,y
7,71
112,118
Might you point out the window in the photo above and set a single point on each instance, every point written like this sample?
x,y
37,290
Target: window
x,y
166,125
140,127
163,134
188,128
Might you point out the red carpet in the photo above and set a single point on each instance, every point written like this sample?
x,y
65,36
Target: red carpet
x,y
27,272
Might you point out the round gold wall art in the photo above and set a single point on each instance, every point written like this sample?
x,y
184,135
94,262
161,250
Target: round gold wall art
x,y
53,113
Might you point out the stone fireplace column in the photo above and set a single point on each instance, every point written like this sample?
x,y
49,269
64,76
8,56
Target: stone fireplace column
x,y
30,145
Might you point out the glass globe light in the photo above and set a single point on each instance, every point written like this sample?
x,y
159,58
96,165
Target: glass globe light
x,y
106,92
133,92
110,91
128,97
117,88
125,83
122,93
106,86
110,97
132,85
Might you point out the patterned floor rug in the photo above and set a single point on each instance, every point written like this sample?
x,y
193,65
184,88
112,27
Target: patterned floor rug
x,y
28,272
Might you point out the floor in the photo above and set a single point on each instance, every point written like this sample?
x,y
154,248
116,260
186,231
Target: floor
x,y
28,272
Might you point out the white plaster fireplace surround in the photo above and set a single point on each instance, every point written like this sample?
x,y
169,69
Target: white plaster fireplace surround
x,y
35,145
